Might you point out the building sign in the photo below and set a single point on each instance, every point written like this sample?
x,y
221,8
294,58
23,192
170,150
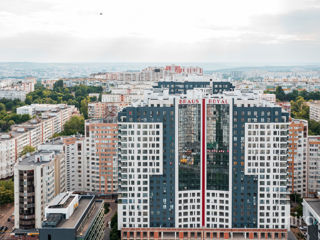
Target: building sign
x,y
208,101
189,101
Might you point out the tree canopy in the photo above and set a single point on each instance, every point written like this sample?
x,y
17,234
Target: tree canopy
x,y
6,192
299,108
77,95
115,233
73,126
27,149
292,96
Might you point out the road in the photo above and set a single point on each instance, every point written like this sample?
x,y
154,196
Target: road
x,y
291,236
107,218
5,212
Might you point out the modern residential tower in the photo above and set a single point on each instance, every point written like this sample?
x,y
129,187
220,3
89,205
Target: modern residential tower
x,y
203,161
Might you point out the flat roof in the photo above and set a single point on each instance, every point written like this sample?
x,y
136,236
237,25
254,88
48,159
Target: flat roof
x,y
30,160
91,216
77,214
314,204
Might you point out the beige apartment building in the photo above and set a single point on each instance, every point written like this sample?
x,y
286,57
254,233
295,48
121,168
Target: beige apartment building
x,y
101,153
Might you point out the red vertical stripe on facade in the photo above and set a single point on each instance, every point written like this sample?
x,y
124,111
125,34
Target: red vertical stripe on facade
x,y
203,171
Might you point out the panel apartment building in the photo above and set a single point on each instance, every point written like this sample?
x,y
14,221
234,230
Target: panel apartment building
x,y
50,120
298,156
91,160
303,160
213,164
101,143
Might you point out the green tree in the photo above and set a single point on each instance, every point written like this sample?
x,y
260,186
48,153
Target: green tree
x,y
115,234
9,105
280,94
11,122
2,107
28,100
27,149
93,99
25,117
314,127
84,107
6,192
73,126
299,109
58,85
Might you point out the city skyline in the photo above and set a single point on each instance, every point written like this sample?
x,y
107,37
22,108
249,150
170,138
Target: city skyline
x,y
264,32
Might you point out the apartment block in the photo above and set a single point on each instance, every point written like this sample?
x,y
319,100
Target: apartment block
x,y
13,94
209,161
16,88
50,120
313,183
76,163
75,159
315,111
181,87
38,178
101,138
121,96
98,110
298,156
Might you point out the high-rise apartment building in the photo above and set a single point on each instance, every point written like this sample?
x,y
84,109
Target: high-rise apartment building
x,y
298,156
38,178
98,110
76,164
204,161
101,142
313,184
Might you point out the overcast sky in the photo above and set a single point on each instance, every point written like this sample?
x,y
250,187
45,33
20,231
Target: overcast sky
x,y
248,31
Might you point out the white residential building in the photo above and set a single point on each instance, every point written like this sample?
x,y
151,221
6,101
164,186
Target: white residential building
x,y
315,111
313,166
38,178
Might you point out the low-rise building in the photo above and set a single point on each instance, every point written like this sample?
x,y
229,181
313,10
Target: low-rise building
x,y
72,216
311,216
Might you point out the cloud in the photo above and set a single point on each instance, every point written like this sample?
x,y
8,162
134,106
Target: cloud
x,y
303,24
180,31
